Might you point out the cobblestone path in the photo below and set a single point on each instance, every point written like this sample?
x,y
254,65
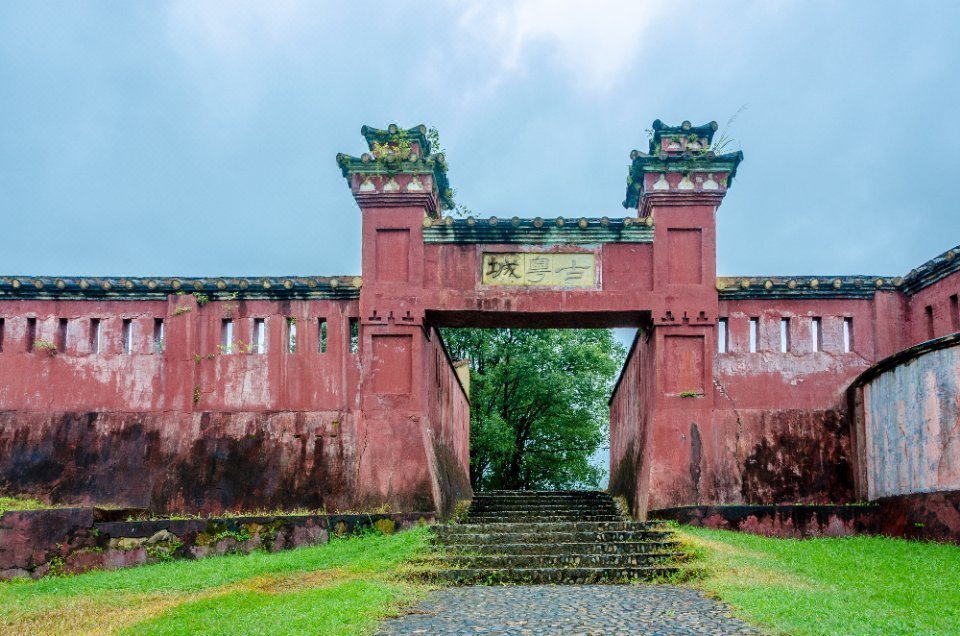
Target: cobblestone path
x,y
556,610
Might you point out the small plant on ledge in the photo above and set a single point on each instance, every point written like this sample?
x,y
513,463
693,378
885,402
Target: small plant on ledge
x,y
45,346
690,394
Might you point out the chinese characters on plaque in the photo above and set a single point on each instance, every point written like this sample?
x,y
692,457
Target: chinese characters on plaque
x,y
543,269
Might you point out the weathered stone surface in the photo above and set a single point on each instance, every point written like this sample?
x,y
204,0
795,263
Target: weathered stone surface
x,y
926,516
14,573
78,544
116,559
127,543
30,537
161,536
786,521
162,461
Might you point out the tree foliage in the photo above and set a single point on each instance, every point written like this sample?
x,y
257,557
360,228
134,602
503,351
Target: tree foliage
x,y
538,404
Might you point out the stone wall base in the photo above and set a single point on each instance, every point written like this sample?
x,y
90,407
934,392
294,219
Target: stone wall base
x,y
922,516
784,521
34,543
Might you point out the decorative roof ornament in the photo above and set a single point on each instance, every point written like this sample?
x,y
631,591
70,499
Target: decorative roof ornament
x,y
682,149
395,151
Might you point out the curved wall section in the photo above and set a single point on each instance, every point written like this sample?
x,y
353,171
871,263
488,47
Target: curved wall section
x,y
907,421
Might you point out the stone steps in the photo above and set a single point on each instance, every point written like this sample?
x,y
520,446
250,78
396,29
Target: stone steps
x,y
539,518
588,547
550,537
566,576
557,511
555,537
550,527
535,560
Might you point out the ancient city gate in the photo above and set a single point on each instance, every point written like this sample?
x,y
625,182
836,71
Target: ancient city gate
x,y
654,269
225,393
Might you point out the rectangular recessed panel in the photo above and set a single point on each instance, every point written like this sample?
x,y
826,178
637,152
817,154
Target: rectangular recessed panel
x,y
540,269
393,255
392,364
683,364
684,257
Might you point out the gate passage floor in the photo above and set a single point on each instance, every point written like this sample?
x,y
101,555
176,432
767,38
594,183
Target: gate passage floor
x,y
653,610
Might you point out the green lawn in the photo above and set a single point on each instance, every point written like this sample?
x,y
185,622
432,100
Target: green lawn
x,y
857,585
343,587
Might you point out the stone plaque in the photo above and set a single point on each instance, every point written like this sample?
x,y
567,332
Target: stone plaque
x,y
539,269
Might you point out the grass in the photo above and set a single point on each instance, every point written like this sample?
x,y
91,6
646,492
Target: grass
x,y
20,503
343,587
855,585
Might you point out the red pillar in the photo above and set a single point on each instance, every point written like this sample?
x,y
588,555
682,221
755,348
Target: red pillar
x,y
680,183
397,185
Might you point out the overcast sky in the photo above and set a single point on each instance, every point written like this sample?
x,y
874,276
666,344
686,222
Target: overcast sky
x,y
198,138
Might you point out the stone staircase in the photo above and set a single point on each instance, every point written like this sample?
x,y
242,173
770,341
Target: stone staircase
x,y
551,537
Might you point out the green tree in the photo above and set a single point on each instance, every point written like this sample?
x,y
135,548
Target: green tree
x,y
538,404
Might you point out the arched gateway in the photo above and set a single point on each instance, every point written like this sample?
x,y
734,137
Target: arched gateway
x,y
207,394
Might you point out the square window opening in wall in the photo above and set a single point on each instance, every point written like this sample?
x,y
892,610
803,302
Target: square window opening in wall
x,y
847,335
354,335
93,342
816,334
226,336
722,337
928,315
754,335
31,333
126,336
322,334
2,326
955,312
61,342
158,335
260,335
291,335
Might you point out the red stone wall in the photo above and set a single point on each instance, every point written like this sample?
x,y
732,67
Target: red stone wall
x,y
185,427
447,437
779,432
452,273
942,317
191,364
631,410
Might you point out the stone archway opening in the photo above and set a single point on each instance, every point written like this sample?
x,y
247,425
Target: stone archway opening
x,y
540,389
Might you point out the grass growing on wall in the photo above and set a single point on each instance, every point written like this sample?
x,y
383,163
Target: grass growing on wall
x,y
855,585
343,587
20,503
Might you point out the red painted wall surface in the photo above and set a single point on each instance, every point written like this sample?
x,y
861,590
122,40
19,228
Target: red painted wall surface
x,y
185,427
934,311
632,406
148,379
779,429
451,286
447,438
